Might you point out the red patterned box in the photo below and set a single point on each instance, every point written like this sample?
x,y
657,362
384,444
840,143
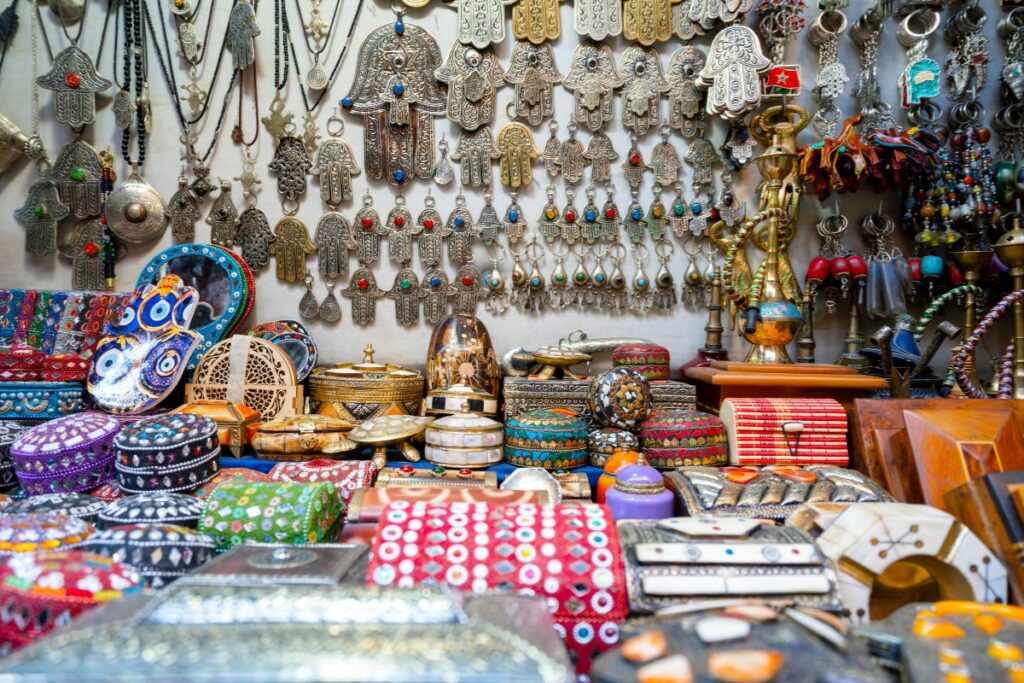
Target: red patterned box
x,y
569,555
65,367
346,475
20,364
786,431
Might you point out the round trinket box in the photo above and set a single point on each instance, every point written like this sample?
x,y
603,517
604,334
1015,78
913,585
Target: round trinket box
x,y
9,431
650,360
620,398
464,440
360,391
40,591
152,507
173,452
160,553
680,438
80,505
603,443
67,455
639,493
26,533
553,439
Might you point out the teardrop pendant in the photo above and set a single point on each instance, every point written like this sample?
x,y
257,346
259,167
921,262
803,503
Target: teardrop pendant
x,y
598,276
330,309
308,305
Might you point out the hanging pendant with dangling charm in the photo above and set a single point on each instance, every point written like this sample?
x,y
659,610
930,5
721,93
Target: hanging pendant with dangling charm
x,y
558,292
135,211
634,224
664,284
591,228
514,223
656,216
693,281
406,296
730,209
535,295
582,292
548,223
183,210
520,286
598,278
569,221
611,220
634,166
460,232
487,223
330,309
641,298
429,233
223,217
709,273
443,171
617,295
496,292
309,307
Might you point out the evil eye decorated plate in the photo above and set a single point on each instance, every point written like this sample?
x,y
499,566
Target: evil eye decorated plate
x,y
294,339
144,354
223,287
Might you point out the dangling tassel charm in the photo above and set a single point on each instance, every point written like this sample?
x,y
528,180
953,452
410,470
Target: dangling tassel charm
x,y
665,285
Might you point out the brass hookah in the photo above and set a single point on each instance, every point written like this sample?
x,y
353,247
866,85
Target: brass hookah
x,y
772,316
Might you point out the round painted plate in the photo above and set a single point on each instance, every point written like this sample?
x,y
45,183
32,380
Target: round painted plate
x,y
294,339
224,290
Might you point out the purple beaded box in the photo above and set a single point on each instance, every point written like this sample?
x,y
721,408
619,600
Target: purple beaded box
x,y
68,455
9,432
173,452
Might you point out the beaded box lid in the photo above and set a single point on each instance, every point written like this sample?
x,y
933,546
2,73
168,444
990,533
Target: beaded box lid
x,y
620,398
80,505
163,433
173,452
28,532
74,432
70,454
159,552
152,507
650,360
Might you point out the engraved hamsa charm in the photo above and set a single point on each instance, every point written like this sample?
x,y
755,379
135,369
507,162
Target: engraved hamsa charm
x,y
473,77
533,72
642,87
77,174
592,79
74,82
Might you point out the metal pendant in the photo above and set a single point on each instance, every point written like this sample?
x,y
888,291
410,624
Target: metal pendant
x,y
634,167
364,292
397,95
647,21
677,220
183,210
517,149
291,164
733,71
193,95
665,162
707,14
656,217
39,215
685,29
278,122
685,98
600,154
534,73
617,296
582,288
255,237
467,290
481,22
571,159
558,292
189,41
367,233
443,172
460,233
124,109
435,290
242,30
399,228
290,248
730,209
592,78
335,165
702,157
406,295
333,241
84,246
487,223
665,284
135,211
330,309
552,148
548,223
201,187
77,174
590,227
642,87
496,294
223,217
309,307
514,223
69,11
74,82
14,143
611,221
693,283
739,146
641,298
568,222
536,20
429,233
535,292
316,79
634,223
597,19
473,77
476,152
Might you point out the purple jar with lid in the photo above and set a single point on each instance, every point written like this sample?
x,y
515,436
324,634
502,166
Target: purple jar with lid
x,y
639,493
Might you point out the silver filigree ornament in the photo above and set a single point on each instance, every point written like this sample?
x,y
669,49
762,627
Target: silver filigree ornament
x,y
223,217
665,162
733,71
572,160
685,98
481,22
473,77
333,241
242,30
335,165
435,291
364,292
77,174
367,233
399,228
443,173
592,78
461,232
183,211
467,290
515,142
254,236
397,95
39,215
533,72
488,224
476,153
643,84
83,248
429,233
291,164
135,212
74,82
406,294
600,153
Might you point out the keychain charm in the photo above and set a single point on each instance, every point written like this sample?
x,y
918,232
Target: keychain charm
x,y
591,228
592,78
367,233
335,165
634,166
569,222
473,76
476,152
429,233
406,296
364,292
514,223
515,144
558,292
183,210
693,281
460,233
399,229
642,297
617,294
634,224
534,73
223,217
552,148
291,245
656,216
665,161
642,87
496,293
611,221
333,241
548,223
665,284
